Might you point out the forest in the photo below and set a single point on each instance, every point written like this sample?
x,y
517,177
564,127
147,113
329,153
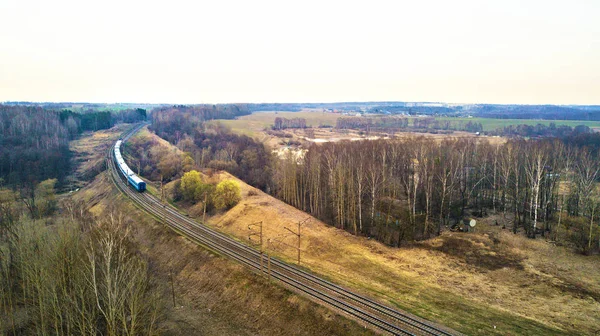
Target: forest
x,y
70,273
547,112
34,141
182,119
541,130
401,190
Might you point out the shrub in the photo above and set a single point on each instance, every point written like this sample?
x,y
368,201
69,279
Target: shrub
x,y
226,195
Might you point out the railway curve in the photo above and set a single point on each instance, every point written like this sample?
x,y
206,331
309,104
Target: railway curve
x,y
379,317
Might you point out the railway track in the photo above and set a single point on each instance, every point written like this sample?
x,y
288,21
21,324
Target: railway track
x,y
368,312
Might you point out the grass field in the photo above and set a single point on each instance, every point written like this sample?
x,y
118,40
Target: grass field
x,y
253,124
490,124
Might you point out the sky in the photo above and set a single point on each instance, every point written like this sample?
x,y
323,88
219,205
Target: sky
x,y
185,52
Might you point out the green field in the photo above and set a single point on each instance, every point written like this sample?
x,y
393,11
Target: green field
x,y
490,124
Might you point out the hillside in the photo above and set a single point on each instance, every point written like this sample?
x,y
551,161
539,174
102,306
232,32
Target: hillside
x,y
213,296
503,284
481,283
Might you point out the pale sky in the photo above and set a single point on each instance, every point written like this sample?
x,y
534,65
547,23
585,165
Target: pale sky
x,y
170,51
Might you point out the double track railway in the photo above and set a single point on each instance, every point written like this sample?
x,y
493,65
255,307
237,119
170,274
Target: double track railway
x,y
379,317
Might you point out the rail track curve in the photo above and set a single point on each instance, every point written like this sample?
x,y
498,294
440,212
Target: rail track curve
x,y
368,312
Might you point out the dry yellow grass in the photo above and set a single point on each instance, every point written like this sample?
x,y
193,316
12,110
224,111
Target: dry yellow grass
x,y
145,135
89,150
471,282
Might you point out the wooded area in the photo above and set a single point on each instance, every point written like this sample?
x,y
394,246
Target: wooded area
x,y
34,141
69,274
283,123
541,130
397,191
213,146
402,124
402,190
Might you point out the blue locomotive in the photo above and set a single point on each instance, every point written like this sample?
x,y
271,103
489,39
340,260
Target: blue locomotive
x,y
132,178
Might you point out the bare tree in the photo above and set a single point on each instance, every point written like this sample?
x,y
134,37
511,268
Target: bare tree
x,y
535,168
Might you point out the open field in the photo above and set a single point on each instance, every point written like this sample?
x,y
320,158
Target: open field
x,y
88,150
490,124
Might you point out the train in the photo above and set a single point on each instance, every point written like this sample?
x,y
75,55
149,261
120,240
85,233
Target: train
x,y
131,177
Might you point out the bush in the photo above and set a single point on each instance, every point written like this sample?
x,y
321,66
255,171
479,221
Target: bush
x,y
192,187
576,230
227,194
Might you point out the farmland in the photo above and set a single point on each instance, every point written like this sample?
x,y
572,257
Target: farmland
x,y
255,124
490,124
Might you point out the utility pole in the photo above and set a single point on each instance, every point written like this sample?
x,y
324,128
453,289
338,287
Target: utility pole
x,y
162,193
269,259
256,229
298,234
204,212
269,266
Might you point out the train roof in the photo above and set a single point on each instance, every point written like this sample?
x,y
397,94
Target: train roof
x,y
123,166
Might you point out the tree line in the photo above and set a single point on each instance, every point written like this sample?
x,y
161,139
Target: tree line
x,y
183,119
546,112
394,124
283,123
402,190
541,130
